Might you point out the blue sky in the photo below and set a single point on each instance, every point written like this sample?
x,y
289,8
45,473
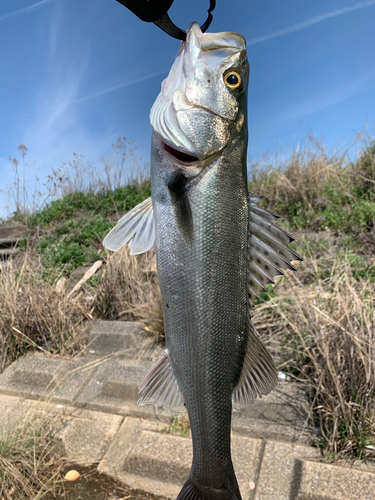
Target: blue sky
x,y
76,74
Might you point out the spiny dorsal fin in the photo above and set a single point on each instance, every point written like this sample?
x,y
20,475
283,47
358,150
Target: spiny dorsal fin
x,y
258,376
137,225
268,250
160,386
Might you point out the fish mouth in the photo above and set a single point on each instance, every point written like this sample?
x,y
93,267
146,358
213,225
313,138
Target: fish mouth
x,y
188,164
180,156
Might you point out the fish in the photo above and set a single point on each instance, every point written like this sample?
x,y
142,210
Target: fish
x,y
216,248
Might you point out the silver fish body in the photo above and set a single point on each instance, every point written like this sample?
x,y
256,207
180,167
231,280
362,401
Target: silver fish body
x,y
203,282
215,249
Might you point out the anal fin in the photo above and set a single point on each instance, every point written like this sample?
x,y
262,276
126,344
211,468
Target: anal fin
x,y
160,386
258,376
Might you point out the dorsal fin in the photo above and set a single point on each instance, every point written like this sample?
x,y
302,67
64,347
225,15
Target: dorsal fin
x,y
268,250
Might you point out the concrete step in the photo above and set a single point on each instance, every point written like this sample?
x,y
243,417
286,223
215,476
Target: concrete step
x,y
41,377
18,232
9,242
147,458
107,384
111,385
81,435
285,410
127,339
141,454
7,253
283,414
108,380
143,457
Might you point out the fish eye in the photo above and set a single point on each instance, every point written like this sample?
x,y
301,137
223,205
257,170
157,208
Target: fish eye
x,y
233,80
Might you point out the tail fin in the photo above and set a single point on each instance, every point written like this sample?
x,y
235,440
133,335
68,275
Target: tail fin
x,y
190,491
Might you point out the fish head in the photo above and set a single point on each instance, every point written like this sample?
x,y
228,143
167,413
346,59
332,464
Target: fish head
x,y
202,103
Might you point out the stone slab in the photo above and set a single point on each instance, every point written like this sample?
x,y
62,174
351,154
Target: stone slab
x,y
12,409
82,435
281,415
128,339
13,232
40,377
322,481
113,388
159,463
278,471
87,434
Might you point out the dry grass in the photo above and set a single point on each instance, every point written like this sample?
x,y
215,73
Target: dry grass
x,y
38,314
129,290
315,190
76,175
28,467
298,181
34,314
32,466
324,321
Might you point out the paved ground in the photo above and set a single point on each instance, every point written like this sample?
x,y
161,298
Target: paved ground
x,y
92,402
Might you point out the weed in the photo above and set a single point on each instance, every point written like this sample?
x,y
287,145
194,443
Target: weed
x,y
179,425
129,290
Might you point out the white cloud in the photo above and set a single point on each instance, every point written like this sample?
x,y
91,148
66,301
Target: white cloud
x,y
310,22
25,9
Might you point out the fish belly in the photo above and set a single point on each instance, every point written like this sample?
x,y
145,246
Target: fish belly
x,y
203,286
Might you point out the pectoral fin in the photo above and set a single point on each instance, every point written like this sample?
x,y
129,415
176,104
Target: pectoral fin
x,y
160,386
136,226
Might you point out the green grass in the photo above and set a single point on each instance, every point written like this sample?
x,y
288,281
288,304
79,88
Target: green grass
x,y
179,425
77,224
104,203
71,243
